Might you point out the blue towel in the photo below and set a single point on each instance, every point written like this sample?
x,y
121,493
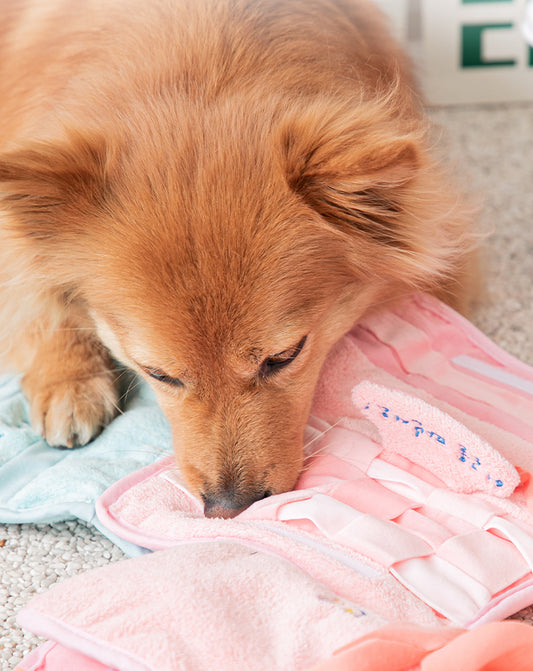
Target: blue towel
x,y
42,484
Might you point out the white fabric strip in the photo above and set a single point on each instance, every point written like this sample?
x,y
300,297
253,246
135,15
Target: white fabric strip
x,y
399,481
350,562
444,587
493,373
381,540
520,539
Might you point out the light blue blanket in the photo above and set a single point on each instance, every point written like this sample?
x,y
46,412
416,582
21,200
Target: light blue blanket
x,y
42,484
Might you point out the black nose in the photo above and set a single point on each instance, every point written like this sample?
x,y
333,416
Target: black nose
x,y
229,504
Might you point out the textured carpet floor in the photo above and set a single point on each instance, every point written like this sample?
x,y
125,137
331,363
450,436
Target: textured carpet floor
x,y
492,147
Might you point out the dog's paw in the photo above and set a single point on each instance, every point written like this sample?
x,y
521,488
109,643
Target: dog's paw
x,y
71,412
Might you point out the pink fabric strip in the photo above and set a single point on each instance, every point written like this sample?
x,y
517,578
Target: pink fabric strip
x,y
406,339
54,657
447,589
369,496
352,447
507,603
520,539
440,310
36,660
392,648
433,372
476,511
500,646
400,480
382,541
76,639
431,531
469,553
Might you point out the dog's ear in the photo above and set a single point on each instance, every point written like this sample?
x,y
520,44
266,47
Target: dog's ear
x,y
368,172
354,169
46,186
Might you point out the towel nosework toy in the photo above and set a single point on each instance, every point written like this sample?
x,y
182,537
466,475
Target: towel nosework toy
x,y
413,506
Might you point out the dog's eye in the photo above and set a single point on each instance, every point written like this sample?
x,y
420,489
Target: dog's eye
x,y
163,377
278,361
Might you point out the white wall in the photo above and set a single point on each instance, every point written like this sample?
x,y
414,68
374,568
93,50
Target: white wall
x,y
468,51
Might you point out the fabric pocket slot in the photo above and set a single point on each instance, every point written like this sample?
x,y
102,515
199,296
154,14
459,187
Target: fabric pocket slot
x,y
491,560
326,469
383,541
423,526
518,537
352,447
399,481
444,587
464,507
368,496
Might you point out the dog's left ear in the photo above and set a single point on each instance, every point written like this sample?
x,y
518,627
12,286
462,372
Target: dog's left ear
x,y
366,168
46,187
353,169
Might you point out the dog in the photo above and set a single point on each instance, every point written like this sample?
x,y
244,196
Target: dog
x,y
211,192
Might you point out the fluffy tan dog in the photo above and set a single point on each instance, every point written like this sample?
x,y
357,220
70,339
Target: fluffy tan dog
x,y
211,191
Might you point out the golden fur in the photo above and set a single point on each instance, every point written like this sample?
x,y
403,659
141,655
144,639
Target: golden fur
x,y
196,186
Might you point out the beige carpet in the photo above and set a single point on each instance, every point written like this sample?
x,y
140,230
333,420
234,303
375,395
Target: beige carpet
x,y
493,149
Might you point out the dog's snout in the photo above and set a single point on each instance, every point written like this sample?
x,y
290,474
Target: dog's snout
x,y
222,509
229,504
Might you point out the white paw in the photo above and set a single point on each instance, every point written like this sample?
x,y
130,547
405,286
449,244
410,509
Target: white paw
x,y
71,413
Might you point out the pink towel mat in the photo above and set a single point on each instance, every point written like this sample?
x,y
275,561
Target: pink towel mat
x,y
498,646
413,507
196,607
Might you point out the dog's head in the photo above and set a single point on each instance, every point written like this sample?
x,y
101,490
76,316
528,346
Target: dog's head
x,y
221,259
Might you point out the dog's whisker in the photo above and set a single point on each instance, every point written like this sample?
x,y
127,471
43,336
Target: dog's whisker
x,y
133,385
320,435
117,407
120,375
317,452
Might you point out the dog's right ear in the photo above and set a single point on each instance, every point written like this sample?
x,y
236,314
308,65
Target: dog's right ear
x,y
46,187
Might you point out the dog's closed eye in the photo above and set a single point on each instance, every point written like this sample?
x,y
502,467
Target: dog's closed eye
x,y
163,377
276,362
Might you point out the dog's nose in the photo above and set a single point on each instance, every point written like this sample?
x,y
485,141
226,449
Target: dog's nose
x,y
229,504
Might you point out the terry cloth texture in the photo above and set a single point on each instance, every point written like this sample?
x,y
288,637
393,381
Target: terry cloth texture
x,y
490,146
404,512
425,491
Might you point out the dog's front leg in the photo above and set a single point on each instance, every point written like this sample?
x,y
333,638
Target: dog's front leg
x,y
69,377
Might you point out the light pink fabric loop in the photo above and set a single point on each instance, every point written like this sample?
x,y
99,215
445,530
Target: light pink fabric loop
x,y
400,481
351,446
418,355
370,496
381,540
447,589
431,531
491,560
520,539
474,511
